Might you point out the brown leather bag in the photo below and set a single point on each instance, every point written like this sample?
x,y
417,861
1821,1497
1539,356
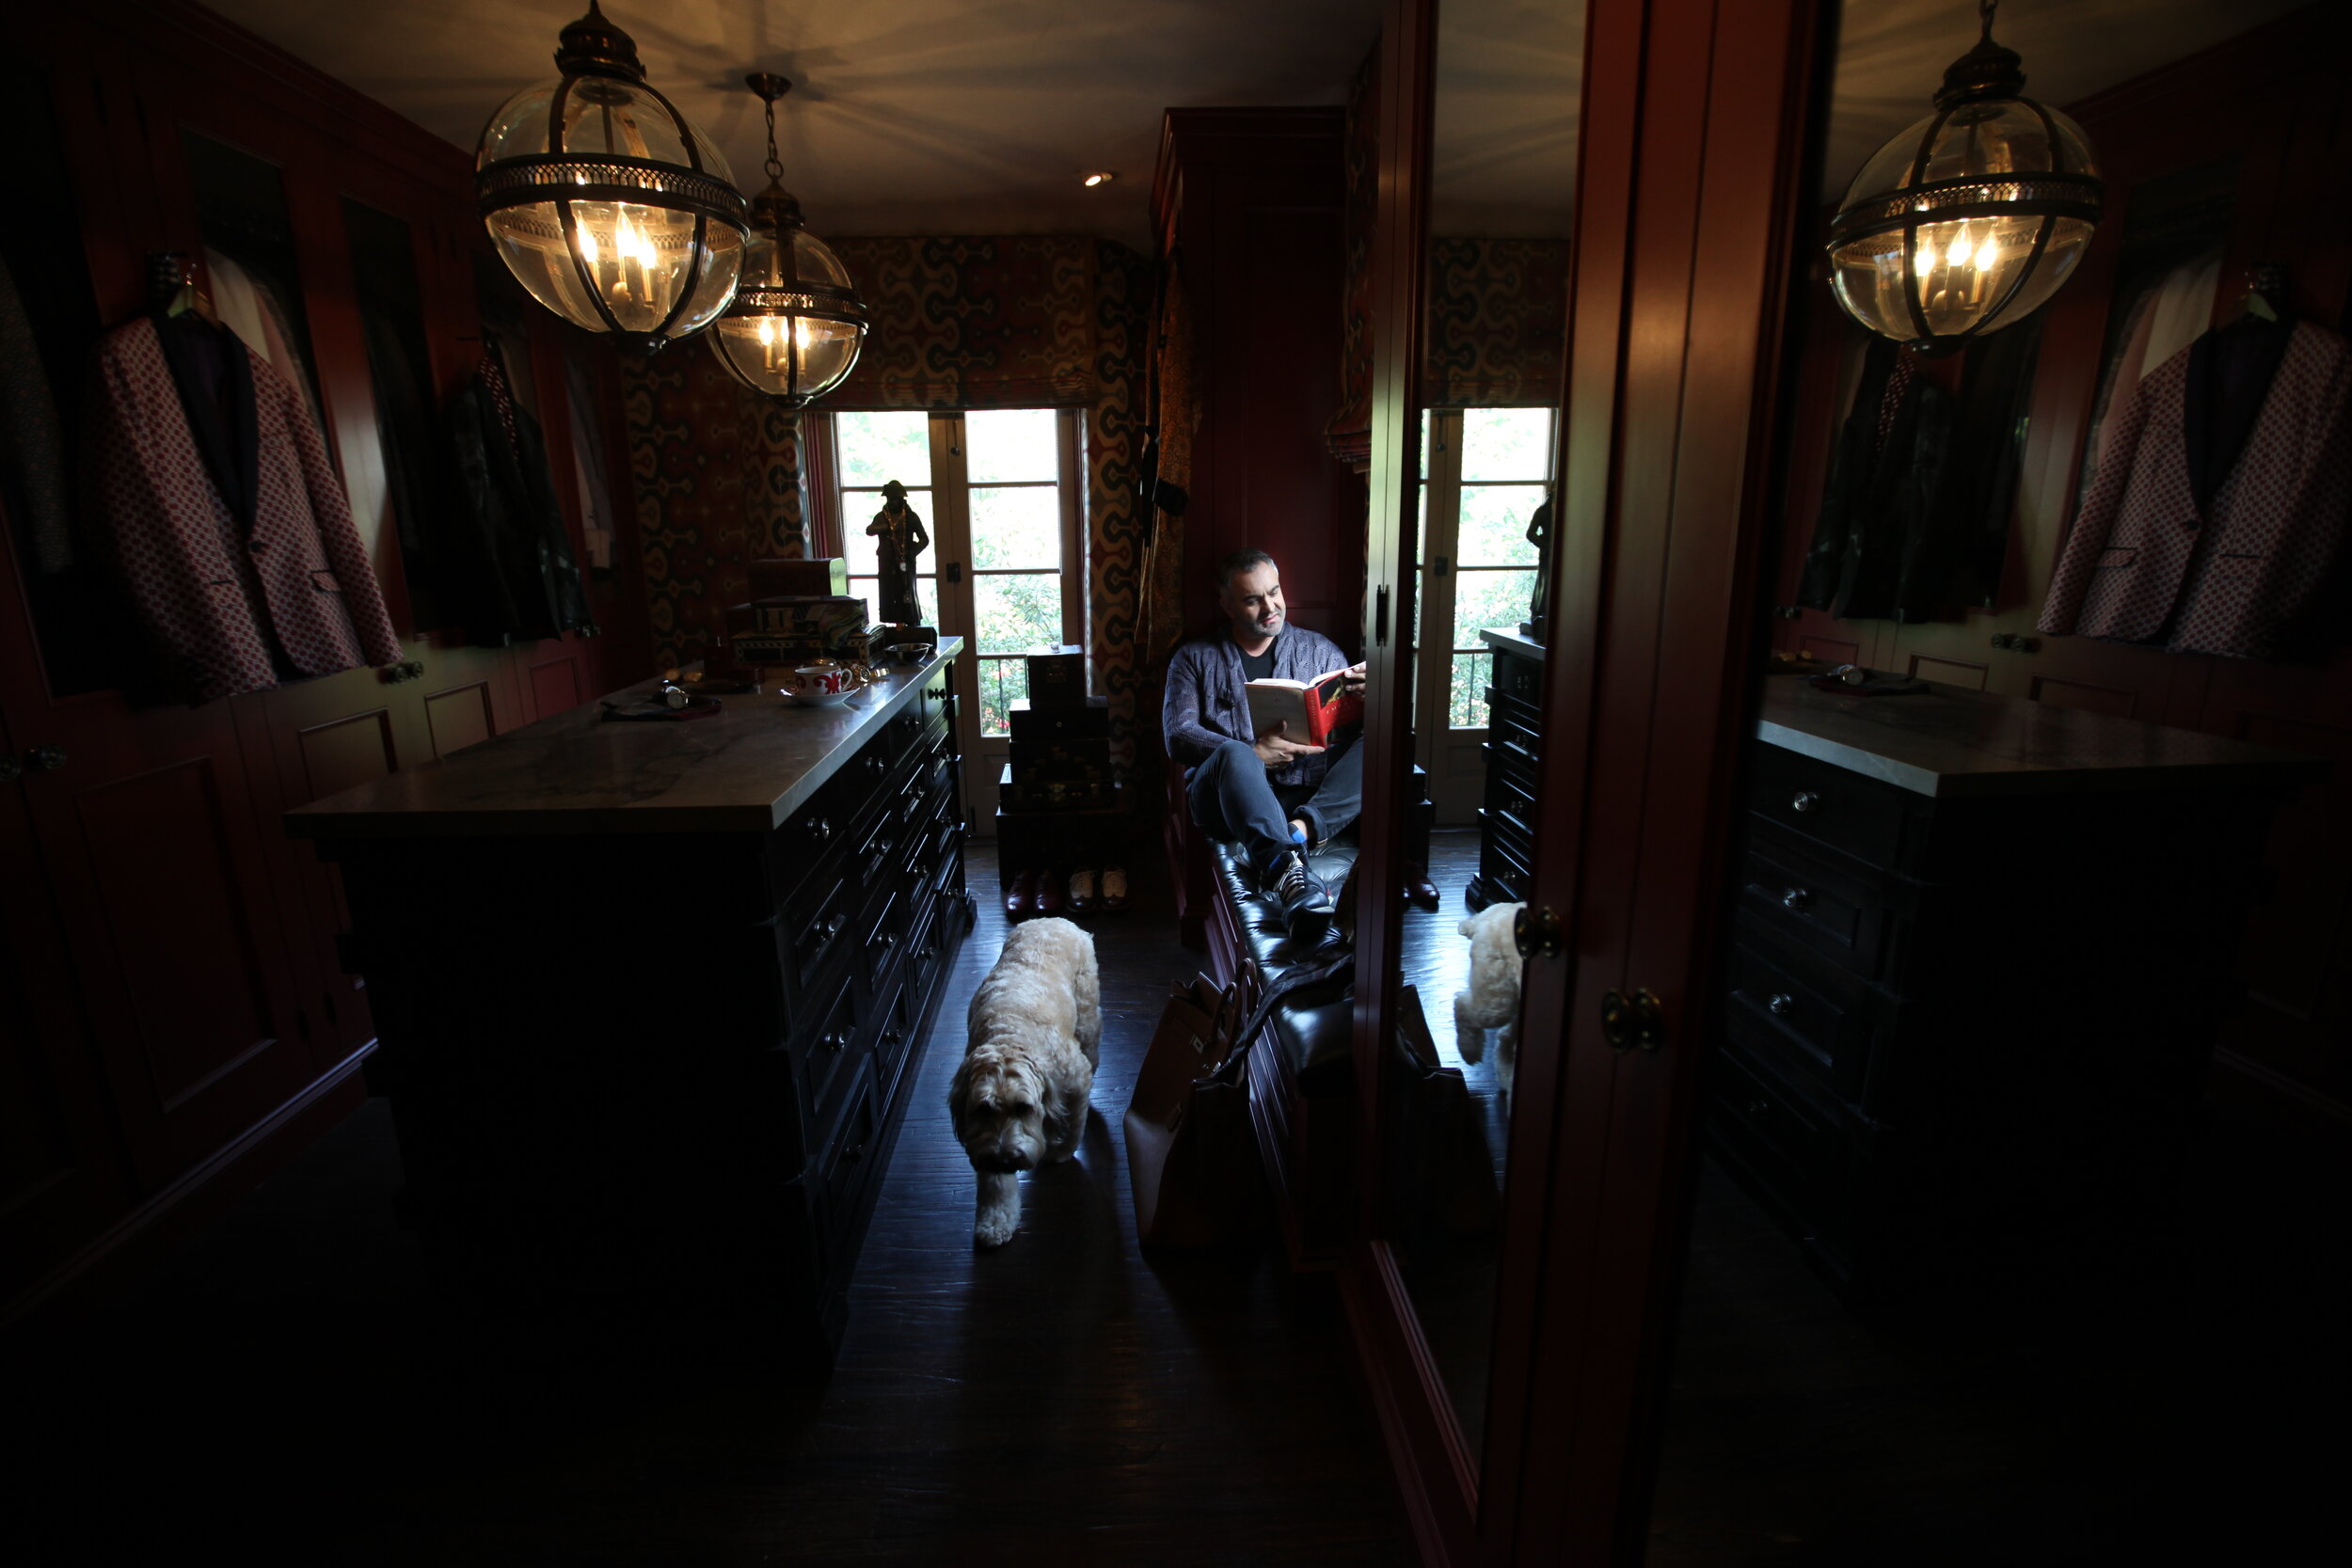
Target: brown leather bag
x,y
1191,1155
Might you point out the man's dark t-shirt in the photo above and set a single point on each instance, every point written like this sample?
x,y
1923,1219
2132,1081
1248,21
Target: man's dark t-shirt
x,y
1259,667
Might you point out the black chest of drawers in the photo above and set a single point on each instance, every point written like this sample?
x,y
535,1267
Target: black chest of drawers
x,y
1976,961
1507,816
645,1082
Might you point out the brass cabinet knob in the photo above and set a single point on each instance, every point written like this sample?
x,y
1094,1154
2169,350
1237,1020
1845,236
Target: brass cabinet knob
x,y
46,759
1805,800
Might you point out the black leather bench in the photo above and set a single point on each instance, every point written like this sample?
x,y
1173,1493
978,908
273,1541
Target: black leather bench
x,y
1302,1074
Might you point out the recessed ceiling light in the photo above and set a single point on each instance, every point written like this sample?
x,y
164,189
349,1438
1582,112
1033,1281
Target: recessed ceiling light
x,y
1100,177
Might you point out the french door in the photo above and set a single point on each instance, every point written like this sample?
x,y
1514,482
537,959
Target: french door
x,y
998,493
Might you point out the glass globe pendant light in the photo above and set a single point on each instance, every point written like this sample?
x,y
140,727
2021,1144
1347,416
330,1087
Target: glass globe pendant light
x,y
604,202
797,324
1970,220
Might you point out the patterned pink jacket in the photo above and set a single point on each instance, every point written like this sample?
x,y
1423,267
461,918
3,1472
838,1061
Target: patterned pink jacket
x,y
2239,577
211,588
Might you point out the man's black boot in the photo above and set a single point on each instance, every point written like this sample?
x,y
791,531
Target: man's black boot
x,y
1300,895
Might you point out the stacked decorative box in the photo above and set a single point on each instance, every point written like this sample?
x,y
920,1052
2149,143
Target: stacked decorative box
x,y
1059,808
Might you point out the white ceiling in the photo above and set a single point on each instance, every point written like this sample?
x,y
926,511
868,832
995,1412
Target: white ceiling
x,y
906,116
943,117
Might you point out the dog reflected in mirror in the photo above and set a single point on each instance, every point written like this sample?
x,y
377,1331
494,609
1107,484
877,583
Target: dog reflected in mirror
x,y
1492,1000
1019,1100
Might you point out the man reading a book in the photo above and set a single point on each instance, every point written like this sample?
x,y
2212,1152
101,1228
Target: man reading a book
x,y
1270,790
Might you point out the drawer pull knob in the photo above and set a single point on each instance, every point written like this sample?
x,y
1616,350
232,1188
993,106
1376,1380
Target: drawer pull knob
x,y
894,1036
887,940
835,1039
819,830
1780,1005
852,1154
1798,899
1757,1107
1805,800
929,954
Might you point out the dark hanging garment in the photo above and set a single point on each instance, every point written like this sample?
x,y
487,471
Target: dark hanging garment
x,y
513,574
1915,522
32,440
1872,537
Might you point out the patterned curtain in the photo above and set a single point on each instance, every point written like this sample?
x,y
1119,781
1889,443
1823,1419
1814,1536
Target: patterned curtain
x,y
1350,431
1176,411
1498,323
958,323
1115,549
974,323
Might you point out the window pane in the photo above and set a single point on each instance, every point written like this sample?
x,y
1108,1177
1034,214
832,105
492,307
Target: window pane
x,y
1484,599
1002,680
1001,444
857,510
1467,706
1427,418
1494,524
1506,443
1020,613
875,449
1017,527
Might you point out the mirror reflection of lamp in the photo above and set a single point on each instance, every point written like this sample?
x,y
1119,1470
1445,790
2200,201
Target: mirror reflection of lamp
x,y
1971,219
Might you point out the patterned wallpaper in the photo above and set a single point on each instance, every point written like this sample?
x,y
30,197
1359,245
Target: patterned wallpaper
x,y
1497,330
958,322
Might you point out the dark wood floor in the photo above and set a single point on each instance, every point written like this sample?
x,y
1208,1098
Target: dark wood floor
x,y
282,1391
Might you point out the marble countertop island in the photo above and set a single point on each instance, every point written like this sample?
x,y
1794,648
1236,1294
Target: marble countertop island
x,y
746,768
1949,741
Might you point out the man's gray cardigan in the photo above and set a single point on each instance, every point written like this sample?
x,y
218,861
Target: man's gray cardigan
x,y
1207,704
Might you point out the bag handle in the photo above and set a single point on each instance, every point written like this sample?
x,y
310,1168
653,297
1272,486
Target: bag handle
x,y
1295,980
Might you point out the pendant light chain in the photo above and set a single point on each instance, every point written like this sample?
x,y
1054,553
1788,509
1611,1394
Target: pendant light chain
x,y
775,165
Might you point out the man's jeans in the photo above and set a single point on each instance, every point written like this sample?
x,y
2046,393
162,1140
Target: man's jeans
x,y
1232,798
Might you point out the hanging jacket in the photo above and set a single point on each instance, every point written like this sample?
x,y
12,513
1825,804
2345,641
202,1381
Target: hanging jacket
x,y
214,494
2217,522
512,573
1914,521
1881,507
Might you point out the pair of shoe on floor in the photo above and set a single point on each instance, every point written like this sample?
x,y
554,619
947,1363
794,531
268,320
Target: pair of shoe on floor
x,y
1046,893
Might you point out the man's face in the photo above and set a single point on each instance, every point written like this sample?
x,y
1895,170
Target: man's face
x,y
1252,601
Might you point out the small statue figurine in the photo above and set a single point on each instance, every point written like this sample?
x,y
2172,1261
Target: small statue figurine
x,y
899,538
1539,535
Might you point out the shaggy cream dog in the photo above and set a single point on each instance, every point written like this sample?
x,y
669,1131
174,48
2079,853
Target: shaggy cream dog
x,y
1492,1001
1020,1097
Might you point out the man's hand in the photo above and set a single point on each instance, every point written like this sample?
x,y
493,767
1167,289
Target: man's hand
x,y
1355,674
1275,752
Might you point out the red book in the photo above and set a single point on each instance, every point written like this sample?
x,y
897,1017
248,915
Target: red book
x,y
1310,710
